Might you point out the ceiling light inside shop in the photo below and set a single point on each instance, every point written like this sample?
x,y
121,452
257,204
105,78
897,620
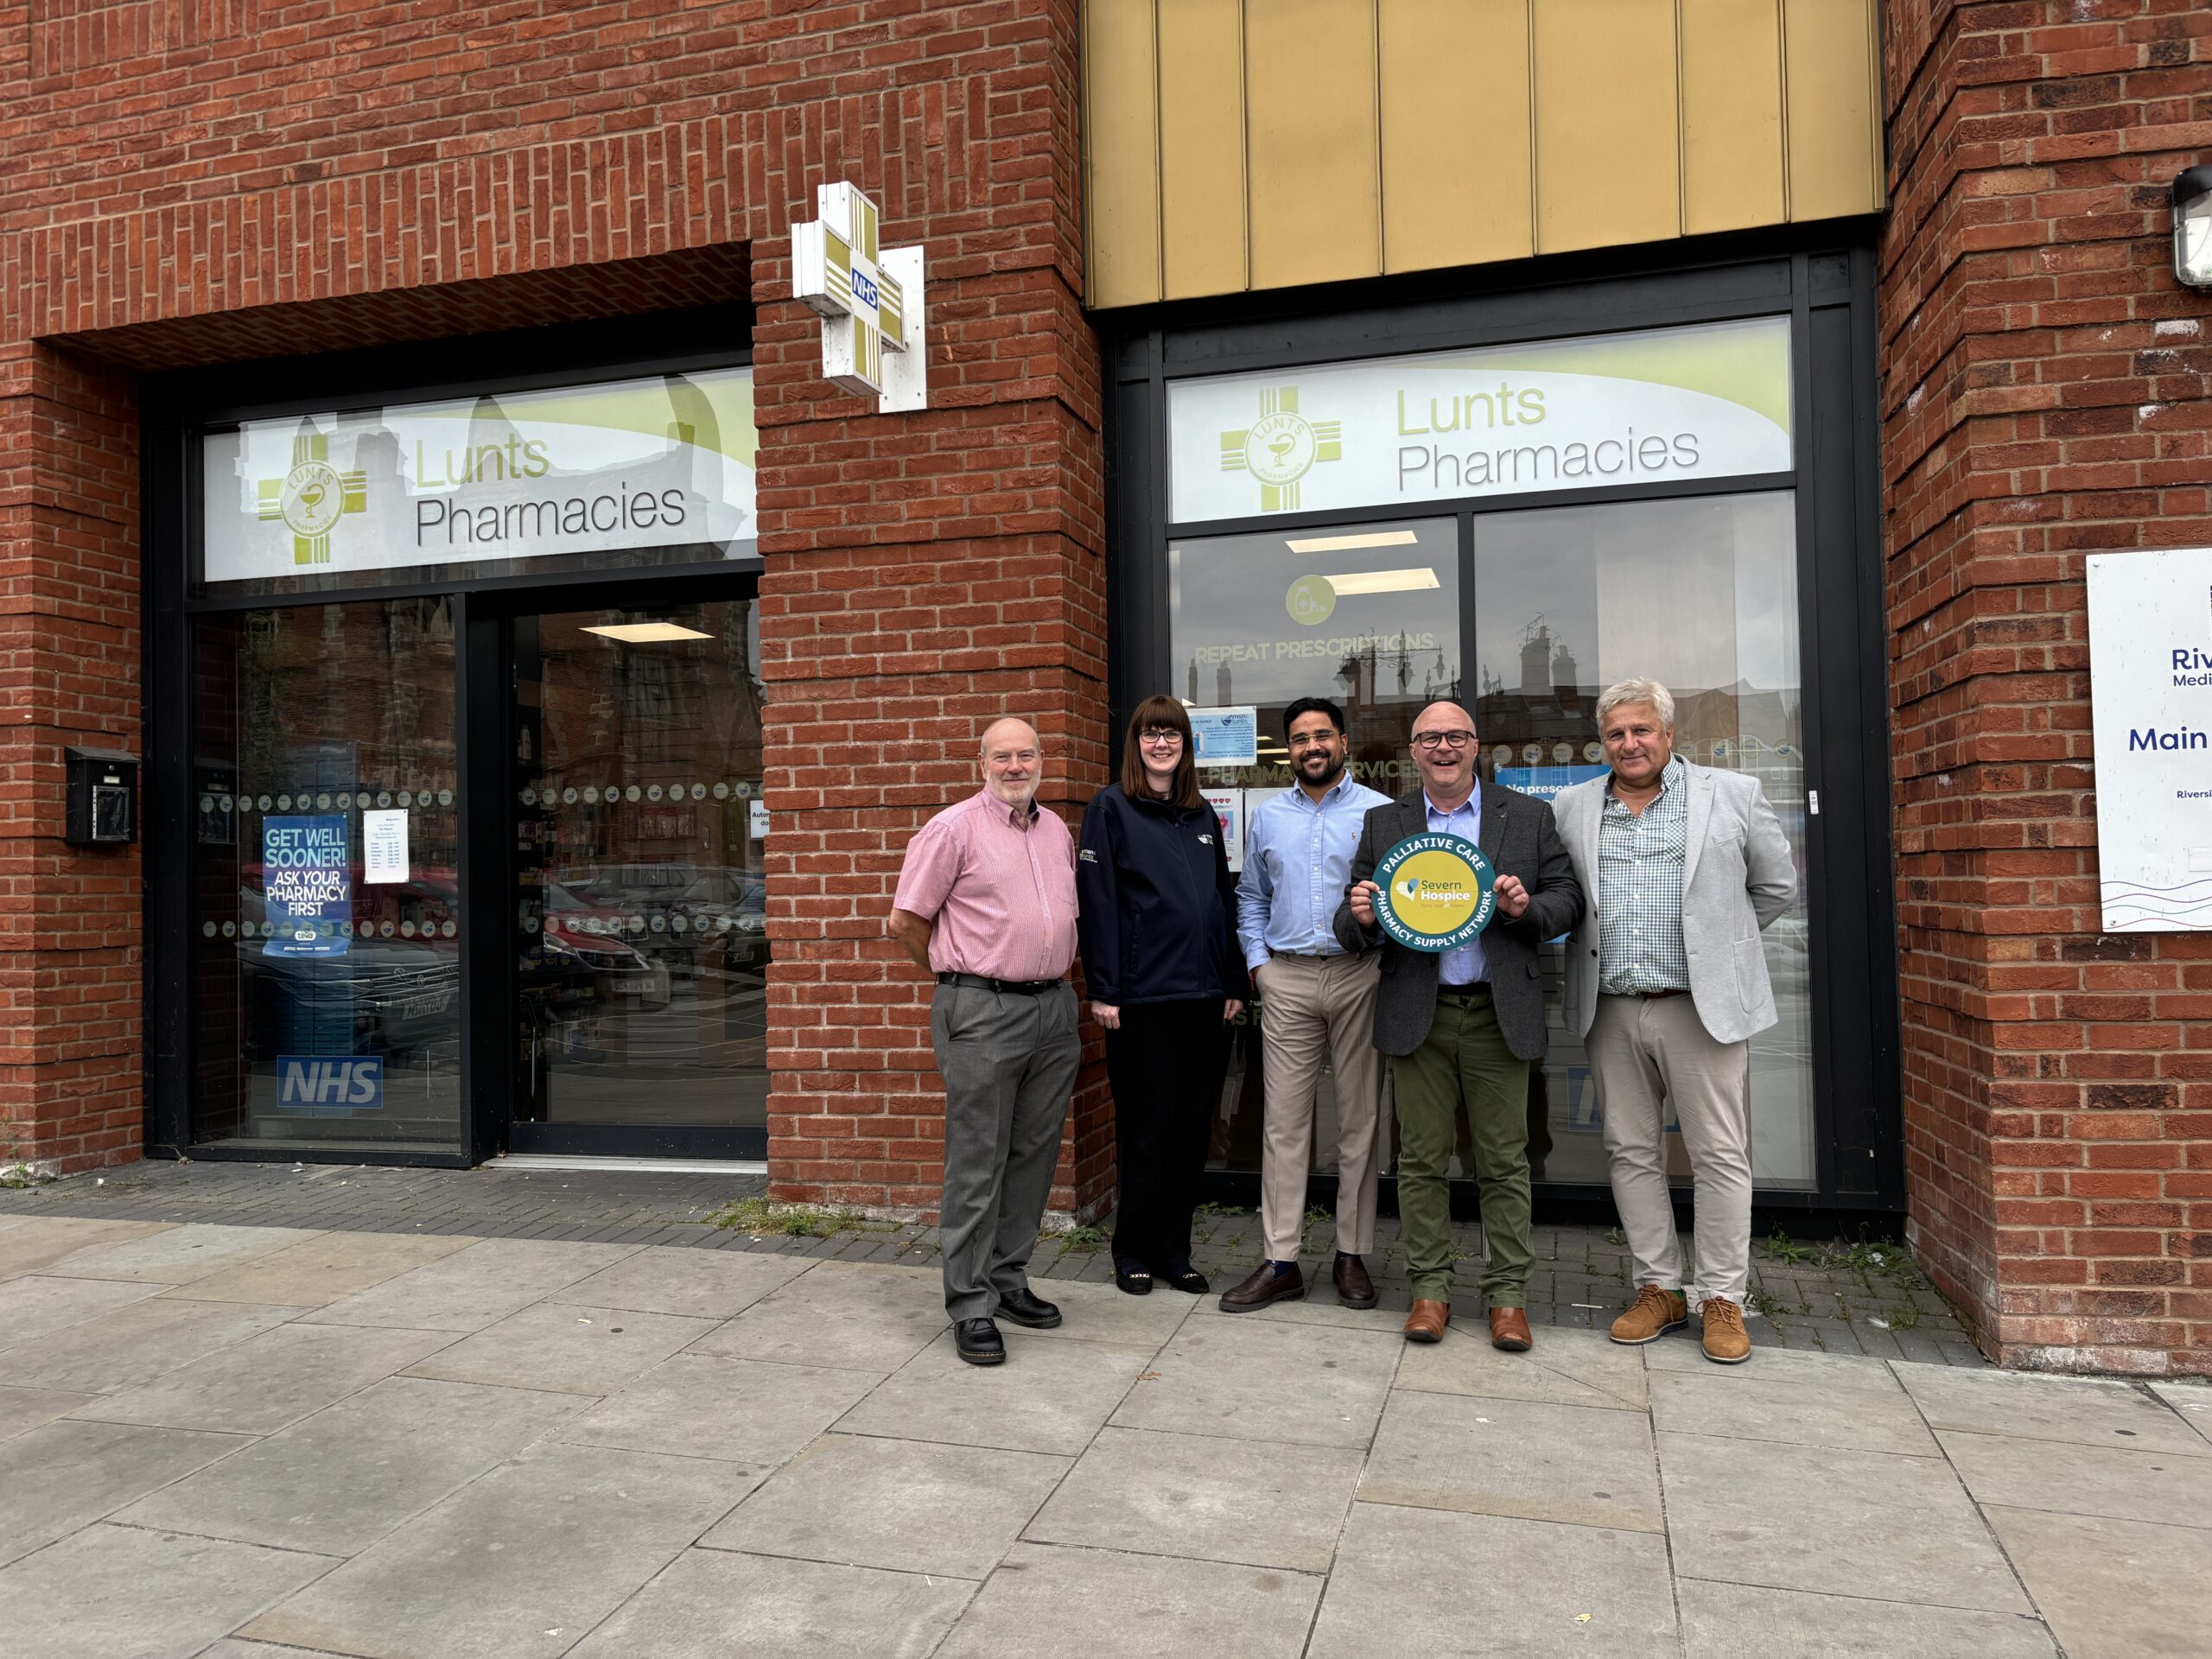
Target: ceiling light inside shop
x,y
648,633
1346,543
1382,582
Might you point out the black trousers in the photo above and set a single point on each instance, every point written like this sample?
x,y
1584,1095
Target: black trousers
x,y
1165,1066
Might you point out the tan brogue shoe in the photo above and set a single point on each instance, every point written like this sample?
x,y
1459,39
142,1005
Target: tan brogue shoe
x,y
1651,1315
1426,1322
1727,1342
1508,1329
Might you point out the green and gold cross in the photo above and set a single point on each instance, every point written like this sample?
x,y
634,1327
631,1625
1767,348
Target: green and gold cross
x,y
839,269
1281,447
311,498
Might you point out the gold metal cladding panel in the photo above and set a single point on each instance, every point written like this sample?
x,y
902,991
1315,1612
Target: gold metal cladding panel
x,y
1240,144
1732,115
1311,141
1121,170
1455,133
1204,245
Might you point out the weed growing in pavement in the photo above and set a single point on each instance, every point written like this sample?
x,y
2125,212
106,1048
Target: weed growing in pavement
x,y
763,1218
1087,1240
1208,1210
1616,1235
1782,1248
1904,1317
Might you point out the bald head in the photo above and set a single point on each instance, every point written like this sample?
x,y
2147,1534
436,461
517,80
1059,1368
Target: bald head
x,y
1013,761
1443,752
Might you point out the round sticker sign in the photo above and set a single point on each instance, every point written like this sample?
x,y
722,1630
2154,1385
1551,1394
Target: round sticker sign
x,y
1437,892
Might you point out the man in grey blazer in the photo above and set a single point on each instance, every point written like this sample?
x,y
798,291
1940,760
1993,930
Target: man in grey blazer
x,y
1465,1025
1666,983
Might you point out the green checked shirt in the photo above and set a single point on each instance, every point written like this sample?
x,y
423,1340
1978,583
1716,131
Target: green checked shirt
x,y
1640,862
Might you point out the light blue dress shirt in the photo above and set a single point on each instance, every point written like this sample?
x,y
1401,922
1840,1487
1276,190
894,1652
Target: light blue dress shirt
x,y
1297,867
1466,965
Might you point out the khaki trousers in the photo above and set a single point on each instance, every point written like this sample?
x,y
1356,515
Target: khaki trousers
x,y
1311,1007
1645,1053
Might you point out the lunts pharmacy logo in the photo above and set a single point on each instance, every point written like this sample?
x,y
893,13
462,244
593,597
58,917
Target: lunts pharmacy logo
x,y
1281,447
312,498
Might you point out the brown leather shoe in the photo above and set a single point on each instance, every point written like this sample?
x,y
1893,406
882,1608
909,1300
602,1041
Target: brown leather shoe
x,y
1651,1315
1354,1287
1727,1342
1508,1329
1264,1286
1426,1322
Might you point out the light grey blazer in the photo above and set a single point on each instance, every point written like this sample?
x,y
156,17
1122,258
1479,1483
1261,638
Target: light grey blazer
x,y
1738,876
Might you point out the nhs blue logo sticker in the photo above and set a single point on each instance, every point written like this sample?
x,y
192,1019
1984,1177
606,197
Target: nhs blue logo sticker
x,y
338,1084
865,291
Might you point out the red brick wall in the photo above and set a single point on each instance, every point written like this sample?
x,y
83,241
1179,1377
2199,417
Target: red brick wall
x,y
2044,396
193,180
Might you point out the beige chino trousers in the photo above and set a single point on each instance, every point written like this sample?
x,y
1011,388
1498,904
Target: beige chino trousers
x,y
1645,1054
1313,1008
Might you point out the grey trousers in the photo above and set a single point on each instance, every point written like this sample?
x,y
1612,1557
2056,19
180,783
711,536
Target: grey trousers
x,y
1009,1063
1311,1011
1645,1055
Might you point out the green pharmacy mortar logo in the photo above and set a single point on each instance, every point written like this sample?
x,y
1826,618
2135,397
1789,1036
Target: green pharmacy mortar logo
x,y
1281,447
312,498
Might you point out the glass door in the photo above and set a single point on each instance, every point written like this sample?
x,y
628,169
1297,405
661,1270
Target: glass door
x,y
639,909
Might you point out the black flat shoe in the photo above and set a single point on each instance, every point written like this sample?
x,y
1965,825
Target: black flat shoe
x,y
1188,1278
1134,1279
979,1342
1026,1307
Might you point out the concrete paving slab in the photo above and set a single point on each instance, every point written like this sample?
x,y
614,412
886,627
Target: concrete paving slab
x,y
743,1411
1103,1313
567,1349
65,1475
1566,1368
523,1561
852,1318
2154,1486
1681,1351
1517,1458
1414,1581
109,1590
2078,1411
179,1255
341,1479
130,1346
2192,1400
1822,1518
1729,1621
259,1385
1134,1607
231,1647
1192,1495
1721,1402
1313,1309
321,1271
907,1505
474,1287
35,1305
26,1408
1049,1396
711,1604
37,1242
2114,1589
1267,1380
696,1284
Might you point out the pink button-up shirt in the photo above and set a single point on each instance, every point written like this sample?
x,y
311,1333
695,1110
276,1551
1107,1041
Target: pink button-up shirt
x,y
997,889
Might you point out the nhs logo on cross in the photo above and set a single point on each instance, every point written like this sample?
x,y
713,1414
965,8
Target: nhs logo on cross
x,y
332,1083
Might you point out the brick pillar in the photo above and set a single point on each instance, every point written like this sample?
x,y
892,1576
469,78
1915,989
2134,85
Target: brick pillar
x,y
925,572
2044,397
71,1057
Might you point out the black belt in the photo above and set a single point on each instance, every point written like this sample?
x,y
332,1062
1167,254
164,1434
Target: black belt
x,y
1478,992
1646,996
1013,986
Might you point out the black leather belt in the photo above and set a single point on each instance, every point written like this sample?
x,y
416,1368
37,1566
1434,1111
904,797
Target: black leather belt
x,y
1646,996
1012,986
1478,992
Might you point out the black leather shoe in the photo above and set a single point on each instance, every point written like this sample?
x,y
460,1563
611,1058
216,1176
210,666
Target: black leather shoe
x,y
1187,1278
1025,1307
1133,1277
1265,1286
979,1342
1354,1287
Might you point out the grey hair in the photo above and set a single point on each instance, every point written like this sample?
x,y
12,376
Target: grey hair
x,y
1623,693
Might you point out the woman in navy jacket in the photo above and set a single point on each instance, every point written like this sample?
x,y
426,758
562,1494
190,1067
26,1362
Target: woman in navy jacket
x,y
1157,920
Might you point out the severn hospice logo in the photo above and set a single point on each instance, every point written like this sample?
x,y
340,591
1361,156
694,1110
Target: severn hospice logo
x,y
1281,447
312,498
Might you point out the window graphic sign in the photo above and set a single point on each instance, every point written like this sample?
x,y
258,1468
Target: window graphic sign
x,y
1708,401
327,1085
307,885
2151,706
663,462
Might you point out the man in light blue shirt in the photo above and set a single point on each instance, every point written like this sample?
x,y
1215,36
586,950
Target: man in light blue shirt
x,y
1317,1000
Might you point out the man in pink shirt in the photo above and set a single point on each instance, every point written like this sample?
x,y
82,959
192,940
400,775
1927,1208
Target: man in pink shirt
x,y
986,901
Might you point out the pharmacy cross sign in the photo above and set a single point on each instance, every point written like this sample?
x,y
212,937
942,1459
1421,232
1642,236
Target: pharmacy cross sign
x,y
312,497
870,299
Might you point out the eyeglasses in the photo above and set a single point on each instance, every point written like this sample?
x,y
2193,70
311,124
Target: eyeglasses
x,y
1319,740
1442,740
1155,735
